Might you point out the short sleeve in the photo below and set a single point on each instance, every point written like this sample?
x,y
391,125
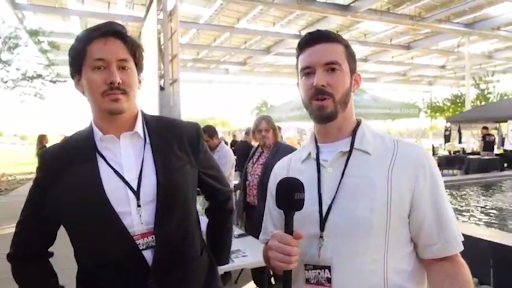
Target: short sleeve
x,y
273,219
432,224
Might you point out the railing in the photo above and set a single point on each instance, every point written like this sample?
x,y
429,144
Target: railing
x,y
488,252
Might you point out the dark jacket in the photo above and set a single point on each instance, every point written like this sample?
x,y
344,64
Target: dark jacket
x,y
68,191
242,152
278,152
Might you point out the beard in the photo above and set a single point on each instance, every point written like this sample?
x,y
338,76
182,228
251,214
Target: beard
x,y
322,114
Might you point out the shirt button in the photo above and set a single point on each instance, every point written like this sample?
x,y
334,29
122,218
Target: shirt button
x,y
329,169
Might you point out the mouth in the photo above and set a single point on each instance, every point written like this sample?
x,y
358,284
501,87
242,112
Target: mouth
x,y
320,99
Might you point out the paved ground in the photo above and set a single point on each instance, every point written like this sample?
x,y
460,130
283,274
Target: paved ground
x,y
10,206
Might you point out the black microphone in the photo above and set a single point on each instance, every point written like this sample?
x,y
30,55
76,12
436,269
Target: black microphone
x,y
290,199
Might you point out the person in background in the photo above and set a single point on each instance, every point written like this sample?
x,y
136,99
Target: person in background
x,y
226,160
41,143
487,143
281,137
254,182
221,152
376,213
243,150
234,141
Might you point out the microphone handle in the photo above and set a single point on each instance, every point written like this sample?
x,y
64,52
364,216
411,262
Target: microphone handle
x,y
288,229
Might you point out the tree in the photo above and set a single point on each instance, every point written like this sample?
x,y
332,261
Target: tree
x,y
219,123
456,103
27,78
261,108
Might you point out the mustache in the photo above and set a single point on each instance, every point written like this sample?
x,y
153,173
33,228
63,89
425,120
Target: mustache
x,y
321,92
117,89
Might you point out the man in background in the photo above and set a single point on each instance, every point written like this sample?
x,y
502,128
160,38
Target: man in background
x,y
242,150
226,160
488,142
221,152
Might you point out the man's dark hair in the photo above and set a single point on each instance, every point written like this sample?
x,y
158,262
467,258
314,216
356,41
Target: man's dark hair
x,y
210,131
485,128
247,131
279,129
317,37
78,50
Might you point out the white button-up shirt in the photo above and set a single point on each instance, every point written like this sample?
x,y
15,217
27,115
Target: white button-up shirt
x,y
226,160
125,155
391,210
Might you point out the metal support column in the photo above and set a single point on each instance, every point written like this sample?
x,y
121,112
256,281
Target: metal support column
x,y
165,95
174,59
467,75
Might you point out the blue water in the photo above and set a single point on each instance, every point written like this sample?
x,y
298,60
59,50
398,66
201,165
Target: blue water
x,y
487,204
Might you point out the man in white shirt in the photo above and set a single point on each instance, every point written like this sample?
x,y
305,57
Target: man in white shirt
x,y
124,188
221,152
375,213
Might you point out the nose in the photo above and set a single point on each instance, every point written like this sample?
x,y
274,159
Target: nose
x,y
320,80
113,78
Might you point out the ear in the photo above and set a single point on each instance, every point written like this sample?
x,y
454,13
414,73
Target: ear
x,y
356,82
140,78
78,84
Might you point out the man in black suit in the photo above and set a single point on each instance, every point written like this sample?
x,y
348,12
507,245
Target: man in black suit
x,y
125,187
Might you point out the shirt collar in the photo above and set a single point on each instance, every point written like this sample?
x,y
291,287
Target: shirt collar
x,y
363,142
219,147
139,129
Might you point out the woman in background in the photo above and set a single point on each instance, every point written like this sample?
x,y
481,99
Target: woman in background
x,y
42,141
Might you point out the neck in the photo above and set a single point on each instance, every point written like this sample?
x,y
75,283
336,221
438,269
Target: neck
x,y
337,130
116,125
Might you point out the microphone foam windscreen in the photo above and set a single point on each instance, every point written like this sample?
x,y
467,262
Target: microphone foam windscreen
x,y
290,194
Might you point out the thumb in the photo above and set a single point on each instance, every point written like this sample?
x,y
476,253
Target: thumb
x,y
297,235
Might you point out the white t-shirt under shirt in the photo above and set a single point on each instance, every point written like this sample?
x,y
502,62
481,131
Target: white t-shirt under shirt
x,y
391,208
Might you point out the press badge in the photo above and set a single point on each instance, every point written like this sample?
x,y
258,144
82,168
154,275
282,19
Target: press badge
x,y
144,238
317,275
318,266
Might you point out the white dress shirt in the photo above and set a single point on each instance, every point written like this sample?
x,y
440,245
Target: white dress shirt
x,y
226,160
125,155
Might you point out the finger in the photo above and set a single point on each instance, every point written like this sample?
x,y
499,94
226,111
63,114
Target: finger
x,y
297,235
283,249
284,259
286,239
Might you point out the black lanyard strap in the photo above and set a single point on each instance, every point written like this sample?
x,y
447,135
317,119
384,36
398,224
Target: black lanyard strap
x,y
323,218
136,192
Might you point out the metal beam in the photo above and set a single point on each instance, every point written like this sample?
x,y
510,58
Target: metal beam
x,y
332,9
492,22
452,10
79,13
362,5
436,39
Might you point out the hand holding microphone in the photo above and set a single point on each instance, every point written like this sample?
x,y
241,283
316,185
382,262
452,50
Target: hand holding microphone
x,y
283,248
284,251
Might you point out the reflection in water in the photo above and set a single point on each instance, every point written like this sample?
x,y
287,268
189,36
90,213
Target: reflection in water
x,y
486,204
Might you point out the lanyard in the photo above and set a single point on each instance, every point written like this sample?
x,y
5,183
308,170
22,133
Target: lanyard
x,y
323,218
136,192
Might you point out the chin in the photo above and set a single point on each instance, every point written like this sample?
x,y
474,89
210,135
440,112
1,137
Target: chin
x,y
116,111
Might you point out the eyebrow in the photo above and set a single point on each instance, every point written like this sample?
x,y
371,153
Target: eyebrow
x,y
123,60
328,63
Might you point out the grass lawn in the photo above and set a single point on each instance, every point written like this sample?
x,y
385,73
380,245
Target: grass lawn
x,y
15,159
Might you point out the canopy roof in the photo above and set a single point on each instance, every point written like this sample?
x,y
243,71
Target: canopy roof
x,y
496,112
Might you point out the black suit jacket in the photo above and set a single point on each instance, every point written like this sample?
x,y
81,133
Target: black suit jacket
x,y
68,192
